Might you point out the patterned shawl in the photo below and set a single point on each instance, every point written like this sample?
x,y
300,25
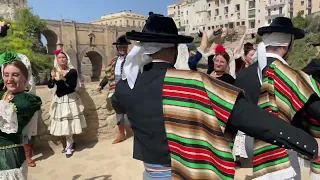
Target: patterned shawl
x,y
110,75
314,129
284,92
196,109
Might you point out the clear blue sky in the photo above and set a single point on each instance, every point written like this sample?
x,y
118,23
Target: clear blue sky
x,y
89,10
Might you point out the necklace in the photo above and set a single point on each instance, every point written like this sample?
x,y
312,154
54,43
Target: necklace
x,y
8,96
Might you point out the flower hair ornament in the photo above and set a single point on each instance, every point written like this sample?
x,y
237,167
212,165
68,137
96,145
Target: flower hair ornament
x,y
220,49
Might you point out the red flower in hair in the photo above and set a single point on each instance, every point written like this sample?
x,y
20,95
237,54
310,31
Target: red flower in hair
x,y
57,52
220,49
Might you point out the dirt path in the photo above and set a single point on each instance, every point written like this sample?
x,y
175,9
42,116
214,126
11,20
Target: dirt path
x,y
95,161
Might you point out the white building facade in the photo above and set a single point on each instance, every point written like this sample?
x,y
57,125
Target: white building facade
x,y
192,15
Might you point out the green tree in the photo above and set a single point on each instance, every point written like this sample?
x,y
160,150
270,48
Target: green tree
x,y
24,37
299,21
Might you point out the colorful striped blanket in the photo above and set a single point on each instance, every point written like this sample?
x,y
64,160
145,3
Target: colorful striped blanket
x,y
284,92
314,129
110,75
196,110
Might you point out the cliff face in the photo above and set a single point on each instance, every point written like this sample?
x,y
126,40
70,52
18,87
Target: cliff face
x,y
8,7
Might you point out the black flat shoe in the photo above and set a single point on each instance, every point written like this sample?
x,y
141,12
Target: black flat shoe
x,y
68,155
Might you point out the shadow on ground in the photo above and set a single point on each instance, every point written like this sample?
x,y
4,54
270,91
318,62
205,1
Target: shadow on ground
x,y
103,177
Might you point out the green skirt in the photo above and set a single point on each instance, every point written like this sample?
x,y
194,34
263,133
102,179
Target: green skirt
x,y
11,164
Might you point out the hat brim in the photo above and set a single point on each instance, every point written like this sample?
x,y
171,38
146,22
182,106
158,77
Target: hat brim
x,y
115,43
297,33
159,38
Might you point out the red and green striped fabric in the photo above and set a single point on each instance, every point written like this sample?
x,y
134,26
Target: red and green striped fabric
x,y
110,75
284,92
196,110
314,129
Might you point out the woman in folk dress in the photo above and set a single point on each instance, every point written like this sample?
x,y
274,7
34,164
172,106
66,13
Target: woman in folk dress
x,y
17,108
66,111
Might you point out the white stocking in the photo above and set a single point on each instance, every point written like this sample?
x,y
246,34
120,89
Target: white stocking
x,y
69,146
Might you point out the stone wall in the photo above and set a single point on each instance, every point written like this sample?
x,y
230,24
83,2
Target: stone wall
x,y
100,122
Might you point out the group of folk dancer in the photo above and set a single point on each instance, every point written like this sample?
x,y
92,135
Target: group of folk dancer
x,y
185,123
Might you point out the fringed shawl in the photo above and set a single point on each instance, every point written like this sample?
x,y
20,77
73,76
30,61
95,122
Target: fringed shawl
x,y
283,93
196,110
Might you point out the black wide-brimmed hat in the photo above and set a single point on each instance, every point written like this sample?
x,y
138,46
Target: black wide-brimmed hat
x,y
159,29
122,40
282,25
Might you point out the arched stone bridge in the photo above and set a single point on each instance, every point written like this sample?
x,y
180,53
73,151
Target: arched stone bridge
x,y
89,46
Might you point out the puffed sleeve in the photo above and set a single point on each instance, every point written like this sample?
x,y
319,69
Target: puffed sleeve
x,y
71,78
27,105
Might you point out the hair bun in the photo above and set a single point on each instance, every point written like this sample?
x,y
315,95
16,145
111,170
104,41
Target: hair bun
x,y
150,13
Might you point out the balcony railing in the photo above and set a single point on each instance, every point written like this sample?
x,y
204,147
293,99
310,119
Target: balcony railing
x,y
275,4
272,16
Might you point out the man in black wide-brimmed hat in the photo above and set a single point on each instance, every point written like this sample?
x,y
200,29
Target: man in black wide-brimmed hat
x,y
113,75
274,86
181,118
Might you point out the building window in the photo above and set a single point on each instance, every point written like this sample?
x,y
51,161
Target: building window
x,y
120,23
226,25
269,21
179,24
209,28
187,12
209,14
243,23
228,1
209,4
280,10
217,12
178,13
128,23
269,12
252,24
251,13
252,4
220,17
217,2
226,10
226,17
258,21
302,3
134,23
116,23
187,22
238,23
237,7
238,15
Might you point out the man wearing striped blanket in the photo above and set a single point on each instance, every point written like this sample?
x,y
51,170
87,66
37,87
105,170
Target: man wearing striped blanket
x,y
183,120
284,92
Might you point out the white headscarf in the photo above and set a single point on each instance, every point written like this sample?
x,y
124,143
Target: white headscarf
x,y
32,126
270,39
137,58
69,65
31,82
183,57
